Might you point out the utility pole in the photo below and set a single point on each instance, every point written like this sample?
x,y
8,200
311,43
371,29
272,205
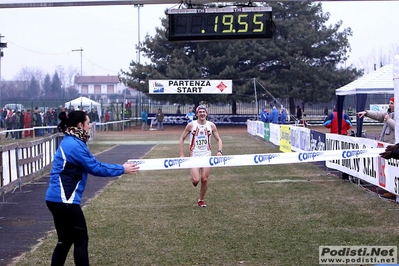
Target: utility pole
x,y
81,59
2,45
138,30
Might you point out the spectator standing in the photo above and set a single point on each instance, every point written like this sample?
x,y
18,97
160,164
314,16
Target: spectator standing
x,y
9,125
160,116
388,117
42,122
274,115
17,123
36,120
94,115
1,119
263,115
350,111
326,110
4,114
21,123
190,115
144,119
298,112
55,119
28,123
59,110
49,119
107,118
178,111
283,116
268,116
9,112
331,122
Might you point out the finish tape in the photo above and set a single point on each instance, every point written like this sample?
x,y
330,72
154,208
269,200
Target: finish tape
x,y
253,159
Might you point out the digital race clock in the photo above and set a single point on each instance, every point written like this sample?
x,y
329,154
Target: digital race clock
x,y
220,23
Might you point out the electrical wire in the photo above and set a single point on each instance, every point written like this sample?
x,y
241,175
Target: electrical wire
x,y
33,51
103,68
58,54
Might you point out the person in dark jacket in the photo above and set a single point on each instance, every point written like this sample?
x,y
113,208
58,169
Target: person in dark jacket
x,y
298,112
160,117
283,116
37,122
19,123
68,177
331,122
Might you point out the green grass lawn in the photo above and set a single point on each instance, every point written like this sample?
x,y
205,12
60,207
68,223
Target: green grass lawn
x,y
252,218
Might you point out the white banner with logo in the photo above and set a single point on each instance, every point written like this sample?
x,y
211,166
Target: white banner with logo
x,y
181,86
369,169
253,159
373,169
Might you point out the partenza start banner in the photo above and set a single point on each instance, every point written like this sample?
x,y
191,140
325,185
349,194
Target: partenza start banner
x,y
181,86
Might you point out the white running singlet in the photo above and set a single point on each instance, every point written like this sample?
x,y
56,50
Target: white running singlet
x,y
200,139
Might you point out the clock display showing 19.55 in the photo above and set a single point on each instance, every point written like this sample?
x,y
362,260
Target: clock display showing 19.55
x,y
220,23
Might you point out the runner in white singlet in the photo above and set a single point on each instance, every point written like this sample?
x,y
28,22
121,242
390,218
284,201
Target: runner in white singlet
x,y
200,139
200,132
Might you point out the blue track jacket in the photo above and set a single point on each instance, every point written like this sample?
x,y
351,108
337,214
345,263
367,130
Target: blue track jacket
x,y
72,162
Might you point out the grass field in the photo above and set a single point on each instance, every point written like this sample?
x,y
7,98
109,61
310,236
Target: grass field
x,y
252,218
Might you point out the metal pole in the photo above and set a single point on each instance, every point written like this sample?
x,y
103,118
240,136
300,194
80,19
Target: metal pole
x,y
81,59
138,30
256,101
1,50
123,110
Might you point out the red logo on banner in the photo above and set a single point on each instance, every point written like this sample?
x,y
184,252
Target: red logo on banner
x,y
221,86
382,179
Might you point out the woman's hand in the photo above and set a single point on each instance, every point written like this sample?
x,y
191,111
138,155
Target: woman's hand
x,y
130,168
361,114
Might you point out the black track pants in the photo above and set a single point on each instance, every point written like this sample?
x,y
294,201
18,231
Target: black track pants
x,y
71,228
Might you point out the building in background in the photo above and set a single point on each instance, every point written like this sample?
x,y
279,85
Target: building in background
x,y
100,88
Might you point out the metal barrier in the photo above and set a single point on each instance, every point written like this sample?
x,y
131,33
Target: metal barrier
x,y
22,162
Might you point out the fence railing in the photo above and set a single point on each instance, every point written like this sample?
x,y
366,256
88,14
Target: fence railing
x,y
22,162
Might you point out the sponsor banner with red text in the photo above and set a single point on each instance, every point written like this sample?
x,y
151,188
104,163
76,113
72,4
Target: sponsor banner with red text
x,y
181,86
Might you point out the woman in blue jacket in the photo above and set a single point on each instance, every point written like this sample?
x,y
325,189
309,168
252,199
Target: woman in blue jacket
x,y
68,176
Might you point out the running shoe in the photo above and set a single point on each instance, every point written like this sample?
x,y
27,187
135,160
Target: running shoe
x,y
201,203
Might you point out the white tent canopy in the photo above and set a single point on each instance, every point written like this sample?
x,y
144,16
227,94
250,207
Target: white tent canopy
x,y
382,80
84,103
378,81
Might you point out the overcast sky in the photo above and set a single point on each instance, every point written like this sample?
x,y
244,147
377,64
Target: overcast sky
x,y
44,38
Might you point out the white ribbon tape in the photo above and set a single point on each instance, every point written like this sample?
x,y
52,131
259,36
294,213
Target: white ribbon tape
x,y
253,159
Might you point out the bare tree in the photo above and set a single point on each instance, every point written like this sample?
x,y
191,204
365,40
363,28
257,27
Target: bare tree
x,y
67,77
377,59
